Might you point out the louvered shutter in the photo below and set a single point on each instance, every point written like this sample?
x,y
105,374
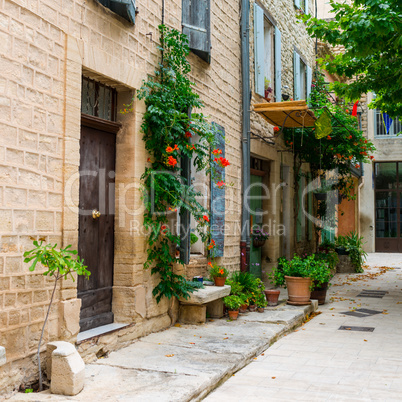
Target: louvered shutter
x,y
185,216
309,74
217,217
297,3
259,49
196,22
278,66
296,75
306,6
124,8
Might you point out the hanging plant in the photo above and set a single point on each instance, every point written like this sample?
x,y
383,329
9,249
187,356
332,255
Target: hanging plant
x,y
170,133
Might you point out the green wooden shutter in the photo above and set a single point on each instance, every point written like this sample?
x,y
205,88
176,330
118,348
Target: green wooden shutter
x,y
217,215
310,212
124,8
299,196
278,66
296,75
309,75
259,49
196,22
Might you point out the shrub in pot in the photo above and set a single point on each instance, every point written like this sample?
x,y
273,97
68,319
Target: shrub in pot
x,y
299,275
261,302
218,274
233,304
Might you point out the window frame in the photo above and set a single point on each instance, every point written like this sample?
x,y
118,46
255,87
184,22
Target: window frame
x,y
391,130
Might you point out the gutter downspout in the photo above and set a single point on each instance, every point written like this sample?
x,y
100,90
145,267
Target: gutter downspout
x,y
358,204
246,97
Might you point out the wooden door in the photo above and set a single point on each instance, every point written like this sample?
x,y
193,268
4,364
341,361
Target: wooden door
x,y
96,234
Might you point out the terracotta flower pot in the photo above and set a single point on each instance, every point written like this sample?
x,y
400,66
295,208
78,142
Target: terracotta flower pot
x,y
252,307
243,308
219,281
260,309
320,293
233,314
272,296
298,290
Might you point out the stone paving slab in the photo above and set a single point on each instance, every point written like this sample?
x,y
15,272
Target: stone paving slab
x,y
318,362
184,362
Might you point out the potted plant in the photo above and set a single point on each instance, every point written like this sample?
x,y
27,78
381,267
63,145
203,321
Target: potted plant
x,y
267,90
352,245
298,274
321,193
218,274
232,304
323,276
272,296
261,302
259,237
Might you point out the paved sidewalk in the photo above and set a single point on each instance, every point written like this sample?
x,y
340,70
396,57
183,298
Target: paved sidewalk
x,y
319,362
182,363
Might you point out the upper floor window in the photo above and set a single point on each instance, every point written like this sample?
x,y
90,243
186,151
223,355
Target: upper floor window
x,y
196,22
267,55
302,76
124,8
302,5
385,126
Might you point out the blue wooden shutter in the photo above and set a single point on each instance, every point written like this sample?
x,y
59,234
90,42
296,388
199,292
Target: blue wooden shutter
x,y
278,66
259,49
306,6
196,22
124,8
309,74
297,3
217,217
296,75
185,216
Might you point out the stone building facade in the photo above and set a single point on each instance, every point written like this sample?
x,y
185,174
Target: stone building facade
x,y
291,60
46,49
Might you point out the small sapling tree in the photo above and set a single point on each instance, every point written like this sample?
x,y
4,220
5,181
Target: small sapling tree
x,y
60,264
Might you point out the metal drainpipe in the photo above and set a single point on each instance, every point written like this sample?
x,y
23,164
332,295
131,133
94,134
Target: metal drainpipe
x,y
246,95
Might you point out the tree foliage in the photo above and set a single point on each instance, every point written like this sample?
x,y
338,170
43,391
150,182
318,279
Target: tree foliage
x,y
371,33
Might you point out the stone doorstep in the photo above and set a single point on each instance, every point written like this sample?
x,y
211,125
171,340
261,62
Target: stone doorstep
x,y
99,331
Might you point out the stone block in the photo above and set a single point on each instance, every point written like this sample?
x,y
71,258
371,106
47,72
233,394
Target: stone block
x,y
70,311
192,314
215,308
3,359
206,295
65,368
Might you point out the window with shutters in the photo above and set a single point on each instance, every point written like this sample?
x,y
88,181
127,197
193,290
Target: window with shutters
x,y
302,5
302,77
267,55
196,23
123,8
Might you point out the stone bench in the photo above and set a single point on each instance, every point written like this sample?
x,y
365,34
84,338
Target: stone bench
x,y
208,300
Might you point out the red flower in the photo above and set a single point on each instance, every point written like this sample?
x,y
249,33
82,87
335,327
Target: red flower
x,y
169,150
216,151
220,184
365,141
206,218
222,161
371,157
350,137
210,264
149,160
328,137
172,161
276,129
188,134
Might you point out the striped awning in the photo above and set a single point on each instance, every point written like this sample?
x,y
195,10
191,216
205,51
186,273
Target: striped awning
x,y
292,114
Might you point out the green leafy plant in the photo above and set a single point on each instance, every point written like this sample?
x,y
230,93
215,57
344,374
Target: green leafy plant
x,y
193,238
331,258
232,302
28,390
259,235
217,271
171,132
308,267
261,300
59,264
235,288
353,244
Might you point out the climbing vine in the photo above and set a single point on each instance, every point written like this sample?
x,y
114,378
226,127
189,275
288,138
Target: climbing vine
x,y
171,132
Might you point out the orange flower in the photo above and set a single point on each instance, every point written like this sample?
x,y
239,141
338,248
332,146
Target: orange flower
x,y
371,157
149,160
206,218
350,137
276,129
221,271
350,157
216,151
172,161
210,264
328,137
188,134
220,184
222,161
169,150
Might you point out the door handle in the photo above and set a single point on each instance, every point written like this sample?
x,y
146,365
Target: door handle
x,y
95,214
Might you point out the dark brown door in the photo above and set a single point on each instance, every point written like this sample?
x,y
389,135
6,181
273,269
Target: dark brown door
x,y
388,202
96,233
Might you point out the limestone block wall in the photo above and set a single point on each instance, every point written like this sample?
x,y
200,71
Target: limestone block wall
x,y
293,35
45,46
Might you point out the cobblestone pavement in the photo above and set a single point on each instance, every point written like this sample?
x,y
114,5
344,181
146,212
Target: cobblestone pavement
x,y
320,362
